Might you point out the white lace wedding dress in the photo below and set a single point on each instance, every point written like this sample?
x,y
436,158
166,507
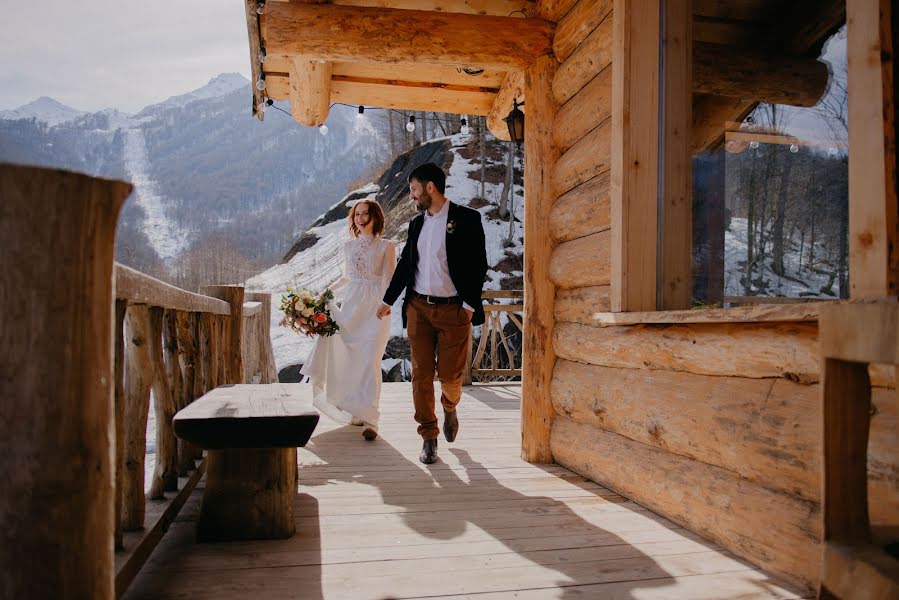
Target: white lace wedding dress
x,y
345,368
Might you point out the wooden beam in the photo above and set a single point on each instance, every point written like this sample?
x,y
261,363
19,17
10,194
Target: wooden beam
x,y
676,206
575,26
396,95
538,357
512,89
255,66
137,288
710,113
634,160
723,71
56,356
500,8
383,35
873,236
310,91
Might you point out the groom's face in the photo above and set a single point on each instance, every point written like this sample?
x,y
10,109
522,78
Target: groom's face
x,y
419,193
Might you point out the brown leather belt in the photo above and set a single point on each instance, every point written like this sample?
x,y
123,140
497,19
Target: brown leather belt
x,y
438,299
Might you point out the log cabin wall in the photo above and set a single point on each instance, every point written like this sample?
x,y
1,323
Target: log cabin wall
x,y
713,425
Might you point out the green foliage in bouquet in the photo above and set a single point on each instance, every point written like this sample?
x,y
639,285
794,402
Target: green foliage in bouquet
x,y
308,313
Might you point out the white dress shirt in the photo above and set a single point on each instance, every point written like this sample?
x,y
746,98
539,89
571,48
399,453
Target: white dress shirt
x,y
432,276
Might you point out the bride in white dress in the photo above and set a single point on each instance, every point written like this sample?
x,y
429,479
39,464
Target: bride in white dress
x,y
345,368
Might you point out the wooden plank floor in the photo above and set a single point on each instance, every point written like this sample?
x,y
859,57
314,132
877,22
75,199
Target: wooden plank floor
x,y
374,523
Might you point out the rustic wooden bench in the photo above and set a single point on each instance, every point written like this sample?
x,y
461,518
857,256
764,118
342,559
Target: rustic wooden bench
x,y
251,434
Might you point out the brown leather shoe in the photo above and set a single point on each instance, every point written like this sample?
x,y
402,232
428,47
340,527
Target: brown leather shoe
x,y
428,452
450,426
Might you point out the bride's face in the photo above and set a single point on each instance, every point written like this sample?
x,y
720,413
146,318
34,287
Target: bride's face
x,y
361,216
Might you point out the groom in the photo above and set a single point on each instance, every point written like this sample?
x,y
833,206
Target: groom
x,y
442,269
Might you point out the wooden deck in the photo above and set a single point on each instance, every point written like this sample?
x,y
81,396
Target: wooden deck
x,y
374,523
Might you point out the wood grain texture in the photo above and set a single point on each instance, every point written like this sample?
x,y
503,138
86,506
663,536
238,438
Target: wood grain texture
x,y
232,331
580,304
635,155
873,219
577,24
310,91
591,57
165,472
771,529
582,262
347,33
583,210
266,366
138,380
764,430
138,288
511,89
589,157
538,358
787,350
584,111
56,356
119,418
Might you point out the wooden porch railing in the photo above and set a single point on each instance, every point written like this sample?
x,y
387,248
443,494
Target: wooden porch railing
x,y
180,345
497,355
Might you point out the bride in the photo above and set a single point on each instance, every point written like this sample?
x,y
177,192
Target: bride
x,y
345,368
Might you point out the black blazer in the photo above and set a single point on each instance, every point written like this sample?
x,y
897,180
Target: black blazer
x,y
466,255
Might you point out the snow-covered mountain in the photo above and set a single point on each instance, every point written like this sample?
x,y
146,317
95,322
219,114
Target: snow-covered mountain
x,y
44,110
203,168
315,260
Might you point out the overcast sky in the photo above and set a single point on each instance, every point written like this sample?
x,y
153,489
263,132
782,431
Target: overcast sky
x,y
125,54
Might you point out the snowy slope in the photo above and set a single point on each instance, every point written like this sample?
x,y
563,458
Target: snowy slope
x,y
44,109
319,265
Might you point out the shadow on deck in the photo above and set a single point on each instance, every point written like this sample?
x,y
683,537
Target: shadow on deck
x,y
374,523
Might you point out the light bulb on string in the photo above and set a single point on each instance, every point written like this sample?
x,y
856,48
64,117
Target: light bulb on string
x,y
260,83
262,55
323,129
832,151
410,126
260,8
465,128
794,148
753,144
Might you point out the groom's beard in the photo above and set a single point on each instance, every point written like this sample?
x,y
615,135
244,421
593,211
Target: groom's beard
x,y
424,201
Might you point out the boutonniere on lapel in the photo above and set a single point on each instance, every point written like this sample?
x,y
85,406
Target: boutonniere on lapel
x,y
450,226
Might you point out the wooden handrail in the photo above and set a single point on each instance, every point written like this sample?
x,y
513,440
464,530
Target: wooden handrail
x,y
492,331
137,288
251,309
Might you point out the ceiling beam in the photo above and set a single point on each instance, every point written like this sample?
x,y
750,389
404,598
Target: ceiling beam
x,y
512,89
310,91
385,35
385,94
502,8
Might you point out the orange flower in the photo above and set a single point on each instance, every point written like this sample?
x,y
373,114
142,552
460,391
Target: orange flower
x,y
320,318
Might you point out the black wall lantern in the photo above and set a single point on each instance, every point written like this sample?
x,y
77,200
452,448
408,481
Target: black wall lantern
x,y
515,121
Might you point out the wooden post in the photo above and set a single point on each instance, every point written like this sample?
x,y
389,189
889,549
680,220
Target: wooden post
x,y
56,356
165,473
232,330
539,293
191,379
138,378
119,419
635,154
873,237
207,366
264,337
236,507
174,375
675,253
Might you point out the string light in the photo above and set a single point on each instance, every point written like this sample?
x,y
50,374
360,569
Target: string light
x,y
465,128
261,54
260,7
410,126
753,144
794,148
323,129
260,83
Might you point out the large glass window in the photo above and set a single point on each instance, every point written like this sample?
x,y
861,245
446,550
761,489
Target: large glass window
x,y
770,200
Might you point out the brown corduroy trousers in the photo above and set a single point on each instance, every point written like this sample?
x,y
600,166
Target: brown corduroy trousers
x,y
439,336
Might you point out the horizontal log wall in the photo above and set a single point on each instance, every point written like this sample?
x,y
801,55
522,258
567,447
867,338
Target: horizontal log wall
x,y
716,426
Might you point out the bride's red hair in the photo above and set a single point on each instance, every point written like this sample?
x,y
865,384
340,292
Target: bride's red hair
x,y
375,214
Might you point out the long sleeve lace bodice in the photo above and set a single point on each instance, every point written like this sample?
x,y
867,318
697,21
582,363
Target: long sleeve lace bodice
x,y
367,258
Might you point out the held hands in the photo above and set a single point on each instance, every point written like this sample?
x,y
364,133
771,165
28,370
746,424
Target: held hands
x,y
383,311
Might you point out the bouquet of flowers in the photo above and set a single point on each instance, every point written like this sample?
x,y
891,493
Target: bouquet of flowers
x,y
308,313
